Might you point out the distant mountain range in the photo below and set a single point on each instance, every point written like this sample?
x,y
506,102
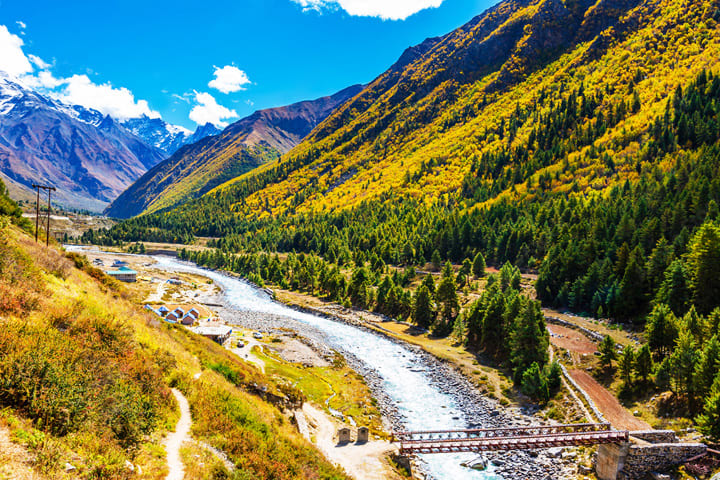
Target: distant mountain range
x,y
90,157
246,144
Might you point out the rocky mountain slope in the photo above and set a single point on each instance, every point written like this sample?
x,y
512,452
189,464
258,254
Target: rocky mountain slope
x,y
166,137
242,146
88,157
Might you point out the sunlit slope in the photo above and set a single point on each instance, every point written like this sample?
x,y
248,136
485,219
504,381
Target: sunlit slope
x,y
246,144
484,109
85,377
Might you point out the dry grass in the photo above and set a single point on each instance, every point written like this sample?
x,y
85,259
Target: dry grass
x,y
84,376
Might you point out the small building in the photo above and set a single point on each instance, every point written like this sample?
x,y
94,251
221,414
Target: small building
x,y
194,312
363,435
343,435
123,274
188,320
119,263
175,281
179,312
219,334
172,317
163,310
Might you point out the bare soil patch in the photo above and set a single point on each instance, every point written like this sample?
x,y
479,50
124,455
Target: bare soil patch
x,y
570,340
15,461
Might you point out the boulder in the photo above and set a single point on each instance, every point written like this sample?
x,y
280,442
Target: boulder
x,y
478,463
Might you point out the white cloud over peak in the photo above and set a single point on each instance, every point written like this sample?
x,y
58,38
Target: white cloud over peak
x,y
119,103
12,57
208,110
385,9
229,79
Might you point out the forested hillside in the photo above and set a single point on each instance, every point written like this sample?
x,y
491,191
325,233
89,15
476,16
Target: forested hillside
x,y
246,144
588,152
576,139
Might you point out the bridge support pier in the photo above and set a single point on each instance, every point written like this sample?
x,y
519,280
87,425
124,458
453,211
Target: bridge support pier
x,y
646,452
610,460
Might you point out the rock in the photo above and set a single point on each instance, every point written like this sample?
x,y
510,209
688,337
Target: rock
x,y
660,476
636,413
716,477
498,462
554,452
583,470
478,463
69,467
129,465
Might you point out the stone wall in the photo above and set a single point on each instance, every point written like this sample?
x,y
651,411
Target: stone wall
x,y
657,457
655,436
628,461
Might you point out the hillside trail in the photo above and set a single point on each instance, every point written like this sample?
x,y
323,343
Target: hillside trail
x,y
176,469
15,460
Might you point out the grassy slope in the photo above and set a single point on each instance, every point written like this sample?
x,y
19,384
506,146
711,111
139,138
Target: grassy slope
x,y
85,378
653,47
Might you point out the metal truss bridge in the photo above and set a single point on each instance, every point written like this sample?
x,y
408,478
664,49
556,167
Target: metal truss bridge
x,y
516,438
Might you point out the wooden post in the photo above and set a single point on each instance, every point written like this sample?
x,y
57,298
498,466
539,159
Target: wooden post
x,y
47,237
37,212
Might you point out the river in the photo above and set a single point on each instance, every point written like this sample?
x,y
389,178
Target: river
x,y
420,400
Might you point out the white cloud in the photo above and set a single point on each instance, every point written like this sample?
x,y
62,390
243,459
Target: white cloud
x,y
209,111
39,62
75,90
229,79
119,103
21,24
385,9
12,57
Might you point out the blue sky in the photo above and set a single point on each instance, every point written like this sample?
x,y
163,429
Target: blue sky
x,y
114,55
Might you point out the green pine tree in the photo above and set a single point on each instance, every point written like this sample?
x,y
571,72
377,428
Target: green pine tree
x,y
607,352
478,266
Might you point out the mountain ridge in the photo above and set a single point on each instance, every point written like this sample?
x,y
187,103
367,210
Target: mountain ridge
x,y
43,140
250,142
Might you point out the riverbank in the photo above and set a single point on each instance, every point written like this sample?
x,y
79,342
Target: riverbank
x,y
413,389
479,411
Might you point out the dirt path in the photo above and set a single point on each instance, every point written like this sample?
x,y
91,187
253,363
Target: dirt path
x,y
15,461
362,462
606,402
176,469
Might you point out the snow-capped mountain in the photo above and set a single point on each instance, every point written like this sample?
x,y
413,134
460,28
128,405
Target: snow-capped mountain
x,y
159,133
168,138
88,156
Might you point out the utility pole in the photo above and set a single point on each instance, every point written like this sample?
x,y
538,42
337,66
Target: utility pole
x,y
37,211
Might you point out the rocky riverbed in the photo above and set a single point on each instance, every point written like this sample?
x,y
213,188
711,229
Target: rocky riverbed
x,y
478,411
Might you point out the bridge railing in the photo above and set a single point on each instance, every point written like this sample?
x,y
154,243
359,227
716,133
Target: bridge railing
x,y
468,434
514,442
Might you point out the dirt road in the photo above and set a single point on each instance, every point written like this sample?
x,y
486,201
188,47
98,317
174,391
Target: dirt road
x,y
361,461
606,402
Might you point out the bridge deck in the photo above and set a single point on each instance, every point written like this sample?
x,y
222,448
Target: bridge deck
x,y
521,438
